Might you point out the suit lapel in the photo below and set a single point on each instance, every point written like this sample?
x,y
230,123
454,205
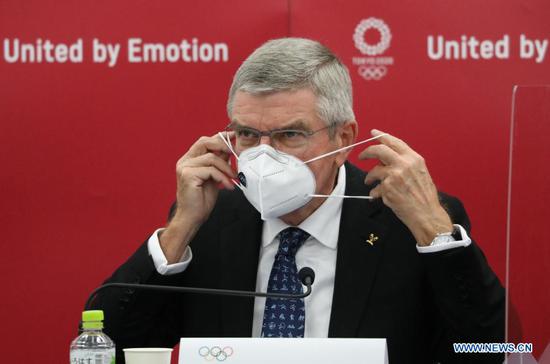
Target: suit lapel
x,y
240,243
361,242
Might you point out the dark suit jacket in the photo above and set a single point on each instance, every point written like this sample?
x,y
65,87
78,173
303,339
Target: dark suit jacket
x,y
421,303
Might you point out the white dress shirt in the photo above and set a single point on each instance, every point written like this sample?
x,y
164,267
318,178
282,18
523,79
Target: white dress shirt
x,y
318,252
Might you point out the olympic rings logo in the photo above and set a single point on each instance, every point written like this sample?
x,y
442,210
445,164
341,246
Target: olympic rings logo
x,y
359,36
215,352
372,72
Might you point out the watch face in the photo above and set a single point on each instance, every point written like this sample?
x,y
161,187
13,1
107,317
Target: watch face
x,y
443,239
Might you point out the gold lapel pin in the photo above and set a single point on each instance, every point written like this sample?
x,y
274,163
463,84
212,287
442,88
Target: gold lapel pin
x,y
372,238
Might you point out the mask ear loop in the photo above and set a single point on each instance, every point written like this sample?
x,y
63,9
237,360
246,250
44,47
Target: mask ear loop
x,y
344,148
228,143
337,151
344,196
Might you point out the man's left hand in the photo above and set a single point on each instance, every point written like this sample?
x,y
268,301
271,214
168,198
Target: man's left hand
x,y
407,188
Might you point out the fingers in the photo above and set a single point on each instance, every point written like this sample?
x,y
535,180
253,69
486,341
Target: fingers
x,y
382,152
207,159
376,192
211,160
399,163
204,174
208,144
204,167
391,141
391,151
378,173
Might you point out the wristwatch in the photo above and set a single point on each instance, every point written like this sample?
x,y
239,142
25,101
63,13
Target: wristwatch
x,y
447,237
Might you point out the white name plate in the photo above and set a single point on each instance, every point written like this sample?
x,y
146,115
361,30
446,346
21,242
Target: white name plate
x,y
281,350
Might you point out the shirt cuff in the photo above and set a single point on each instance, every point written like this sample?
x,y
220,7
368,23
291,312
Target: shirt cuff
x,y
160,261
464,242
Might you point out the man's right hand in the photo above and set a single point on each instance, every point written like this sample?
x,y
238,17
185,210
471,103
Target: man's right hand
x,y
199,172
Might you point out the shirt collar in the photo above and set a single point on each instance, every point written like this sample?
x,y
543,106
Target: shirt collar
x,y
323,224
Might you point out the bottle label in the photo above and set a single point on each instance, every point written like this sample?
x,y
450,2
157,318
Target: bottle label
x,y
93,356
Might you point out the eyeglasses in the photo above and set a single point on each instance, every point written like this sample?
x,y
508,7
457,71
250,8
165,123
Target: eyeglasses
x,y
292,139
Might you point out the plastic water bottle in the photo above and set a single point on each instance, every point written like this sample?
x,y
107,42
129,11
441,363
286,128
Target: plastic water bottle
x,y
92,346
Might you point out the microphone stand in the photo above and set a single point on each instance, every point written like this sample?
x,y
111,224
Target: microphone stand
x,y
224,292
306,275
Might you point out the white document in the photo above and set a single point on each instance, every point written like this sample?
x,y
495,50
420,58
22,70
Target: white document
x,y
282,350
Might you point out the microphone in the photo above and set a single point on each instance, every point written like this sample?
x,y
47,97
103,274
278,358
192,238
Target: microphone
x,y
306,275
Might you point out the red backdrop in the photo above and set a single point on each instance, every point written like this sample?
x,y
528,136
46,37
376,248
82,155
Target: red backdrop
x,y
88,151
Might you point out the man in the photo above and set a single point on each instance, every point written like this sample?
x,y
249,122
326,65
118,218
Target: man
x,y
400,266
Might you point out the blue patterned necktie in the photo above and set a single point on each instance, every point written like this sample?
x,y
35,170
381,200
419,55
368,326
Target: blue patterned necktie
x,y
285,317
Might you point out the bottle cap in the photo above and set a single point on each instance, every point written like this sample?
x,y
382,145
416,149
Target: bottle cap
x,y
92,319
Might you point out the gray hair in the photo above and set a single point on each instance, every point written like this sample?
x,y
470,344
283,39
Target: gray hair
x,y
294,63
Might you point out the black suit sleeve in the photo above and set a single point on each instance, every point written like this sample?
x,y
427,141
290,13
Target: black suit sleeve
x,y
468,295
140,318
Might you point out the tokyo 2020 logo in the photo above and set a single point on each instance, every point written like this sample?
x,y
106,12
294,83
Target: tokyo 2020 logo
x,y
371,66
359,36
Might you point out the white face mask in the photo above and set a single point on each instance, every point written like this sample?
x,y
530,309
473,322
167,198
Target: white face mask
x,y
277,183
